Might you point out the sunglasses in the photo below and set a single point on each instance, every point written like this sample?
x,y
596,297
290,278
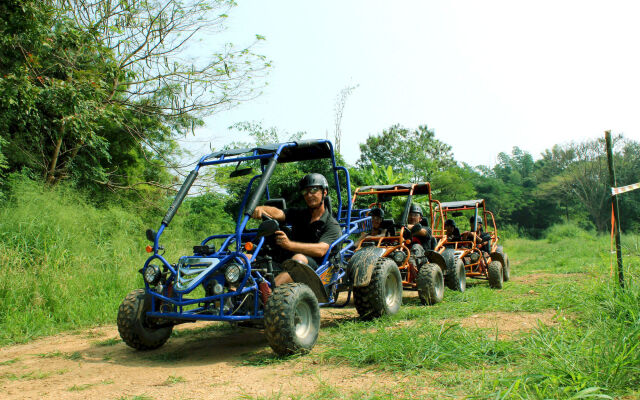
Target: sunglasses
x,y
312,190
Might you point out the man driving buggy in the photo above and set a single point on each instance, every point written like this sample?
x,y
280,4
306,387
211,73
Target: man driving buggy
x,y
313,229
419,227
482,239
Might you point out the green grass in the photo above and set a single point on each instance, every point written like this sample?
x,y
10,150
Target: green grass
x,y
67,264
172,380
9,362
107,342
591,350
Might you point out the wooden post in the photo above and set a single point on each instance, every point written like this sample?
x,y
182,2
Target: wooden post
x,y
614,201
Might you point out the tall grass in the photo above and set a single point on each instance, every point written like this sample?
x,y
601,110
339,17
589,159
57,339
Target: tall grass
x,y
65,263
596,354
592,349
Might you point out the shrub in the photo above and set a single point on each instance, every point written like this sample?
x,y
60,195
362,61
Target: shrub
x,y
565,231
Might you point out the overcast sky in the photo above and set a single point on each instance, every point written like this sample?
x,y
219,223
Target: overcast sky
x,y
484,75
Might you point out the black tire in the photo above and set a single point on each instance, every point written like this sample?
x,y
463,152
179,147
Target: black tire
x,y
133,326
456,278
430,284
494,274
383,295
506,268
292,319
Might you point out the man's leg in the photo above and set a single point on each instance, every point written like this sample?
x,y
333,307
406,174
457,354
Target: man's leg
x,y
284,277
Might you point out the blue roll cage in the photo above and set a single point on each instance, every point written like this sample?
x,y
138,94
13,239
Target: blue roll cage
x,y
339,251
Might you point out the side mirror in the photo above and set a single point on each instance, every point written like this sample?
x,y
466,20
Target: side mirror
x,y
151,235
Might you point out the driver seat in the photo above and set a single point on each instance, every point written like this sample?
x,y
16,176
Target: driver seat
x,y
277,203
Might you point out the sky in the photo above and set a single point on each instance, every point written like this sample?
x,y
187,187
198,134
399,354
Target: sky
x,y
485,76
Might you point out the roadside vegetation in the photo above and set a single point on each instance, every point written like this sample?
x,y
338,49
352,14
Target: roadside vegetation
x,y
67,265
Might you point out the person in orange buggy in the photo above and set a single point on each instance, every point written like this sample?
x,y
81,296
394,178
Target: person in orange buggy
x,y
377,230
419,227
453,233
483,239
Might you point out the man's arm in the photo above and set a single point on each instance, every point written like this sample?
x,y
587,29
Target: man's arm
x,y
269,211
308,249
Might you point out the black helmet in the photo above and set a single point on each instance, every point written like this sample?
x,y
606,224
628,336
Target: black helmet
x,y
415,209
377,212
479,220
313,180
450,223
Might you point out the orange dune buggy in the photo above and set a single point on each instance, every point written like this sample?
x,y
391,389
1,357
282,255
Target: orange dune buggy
x,y
477,251
422,265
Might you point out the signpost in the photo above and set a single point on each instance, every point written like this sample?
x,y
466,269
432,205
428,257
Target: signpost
x,y
614,202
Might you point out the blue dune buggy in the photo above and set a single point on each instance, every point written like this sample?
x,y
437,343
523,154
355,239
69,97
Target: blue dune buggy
x,y
235,281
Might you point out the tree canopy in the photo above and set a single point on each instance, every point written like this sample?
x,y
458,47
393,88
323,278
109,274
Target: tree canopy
x,y
99,91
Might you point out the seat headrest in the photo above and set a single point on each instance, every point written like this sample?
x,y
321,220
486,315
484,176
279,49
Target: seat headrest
x,y
277,203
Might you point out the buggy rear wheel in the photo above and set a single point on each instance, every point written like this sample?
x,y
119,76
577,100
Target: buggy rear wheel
x,y
292,319
494,274
456,278
383,295
430,284
506,268
135,329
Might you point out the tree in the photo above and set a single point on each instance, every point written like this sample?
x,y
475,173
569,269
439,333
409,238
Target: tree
x,y
417,152
99,90
578,174
150,42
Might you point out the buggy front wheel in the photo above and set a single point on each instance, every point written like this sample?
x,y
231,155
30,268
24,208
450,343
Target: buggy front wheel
x,y
456,278
383,294
135,329
430,284
292,319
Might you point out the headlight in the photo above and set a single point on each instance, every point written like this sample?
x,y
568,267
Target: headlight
x,y
152,274
233,273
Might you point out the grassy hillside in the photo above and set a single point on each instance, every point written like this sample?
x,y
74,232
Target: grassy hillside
x,y
67,264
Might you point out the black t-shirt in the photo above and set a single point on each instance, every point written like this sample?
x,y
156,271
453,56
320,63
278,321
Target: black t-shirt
x,y
424,240
455,236
483,240
326,229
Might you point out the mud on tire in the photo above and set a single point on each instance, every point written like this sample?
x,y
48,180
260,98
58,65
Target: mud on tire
x,y
456,278
383,295
494,274
135,330
430,284
292,319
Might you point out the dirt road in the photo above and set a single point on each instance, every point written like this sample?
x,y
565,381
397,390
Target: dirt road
x,y
203,361
210,361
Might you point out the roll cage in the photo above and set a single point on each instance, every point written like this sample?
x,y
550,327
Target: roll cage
x,y
206,265
463,248
398,239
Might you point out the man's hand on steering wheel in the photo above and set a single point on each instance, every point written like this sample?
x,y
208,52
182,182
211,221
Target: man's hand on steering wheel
x,y
282,240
